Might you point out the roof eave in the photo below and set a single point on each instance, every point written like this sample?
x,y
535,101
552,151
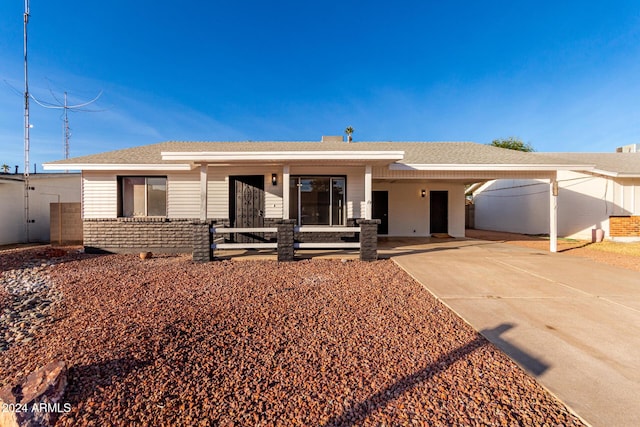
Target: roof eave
x,y
119,166
613,174
485,167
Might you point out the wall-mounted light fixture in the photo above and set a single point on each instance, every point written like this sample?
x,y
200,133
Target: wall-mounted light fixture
x,y
423,193
274,179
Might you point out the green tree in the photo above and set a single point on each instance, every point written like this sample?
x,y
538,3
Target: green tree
x,y
512,143
349,132
5,168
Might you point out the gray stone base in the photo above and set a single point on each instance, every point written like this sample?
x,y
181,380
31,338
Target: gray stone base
x,y
131,235
368,239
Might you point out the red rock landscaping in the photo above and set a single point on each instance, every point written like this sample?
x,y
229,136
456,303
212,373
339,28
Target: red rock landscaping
x,y
167,342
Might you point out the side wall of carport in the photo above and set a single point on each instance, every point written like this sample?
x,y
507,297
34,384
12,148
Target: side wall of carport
x,y
585,203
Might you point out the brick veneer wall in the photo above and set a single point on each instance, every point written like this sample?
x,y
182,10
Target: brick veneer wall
x,y
624,226
130,235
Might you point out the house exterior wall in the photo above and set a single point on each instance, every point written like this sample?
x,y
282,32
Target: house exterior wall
x,y
104,230
585,202
47,188
99,195
409,211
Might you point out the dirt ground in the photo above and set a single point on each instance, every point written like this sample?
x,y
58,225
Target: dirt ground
x,y
580,248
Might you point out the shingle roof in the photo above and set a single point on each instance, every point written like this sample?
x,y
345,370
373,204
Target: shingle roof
x,y
445,153
616,163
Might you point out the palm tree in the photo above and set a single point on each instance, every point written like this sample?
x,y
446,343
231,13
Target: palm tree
x,y
349,132
5,168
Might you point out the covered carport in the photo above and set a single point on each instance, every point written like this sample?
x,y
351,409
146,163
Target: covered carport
x,y
411,189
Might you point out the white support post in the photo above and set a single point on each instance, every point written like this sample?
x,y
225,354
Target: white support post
x,y
367,192
285,192
203,191
553,215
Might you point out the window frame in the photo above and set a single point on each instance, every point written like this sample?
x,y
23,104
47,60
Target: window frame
x,y
297,215
121,195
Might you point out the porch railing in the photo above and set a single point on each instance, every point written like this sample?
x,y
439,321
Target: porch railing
x,y
244,245
326,245
284,234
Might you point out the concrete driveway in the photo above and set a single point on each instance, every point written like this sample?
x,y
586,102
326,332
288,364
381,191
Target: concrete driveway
x,y
572,323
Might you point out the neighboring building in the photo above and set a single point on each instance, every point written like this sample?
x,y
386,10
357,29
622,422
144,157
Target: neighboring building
x,y
603,195
47,188
149,197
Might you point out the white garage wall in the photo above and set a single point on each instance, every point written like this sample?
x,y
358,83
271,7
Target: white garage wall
x,y
11,212
47,188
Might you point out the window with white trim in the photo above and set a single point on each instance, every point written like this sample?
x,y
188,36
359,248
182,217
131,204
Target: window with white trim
x,y
318,200
143,196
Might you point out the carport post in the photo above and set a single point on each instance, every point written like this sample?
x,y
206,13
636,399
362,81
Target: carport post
x,y
553,214
367,192
203,191
285,191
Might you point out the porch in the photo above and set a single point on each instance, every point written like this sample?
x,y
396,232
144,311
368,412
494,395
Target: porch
x,y
387,247
283,240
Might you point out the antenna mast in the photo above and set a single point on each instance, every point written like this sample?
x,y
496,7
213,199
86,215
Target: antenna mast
x,y
66,132
64,105
27,125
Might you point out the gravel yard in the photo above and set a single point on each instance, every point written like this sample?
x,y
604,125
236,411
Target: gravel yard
x,y
627,256
165,341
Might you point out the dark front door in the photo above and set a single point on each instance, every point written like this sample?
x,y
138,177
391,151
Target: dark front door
x,y
439,211
380,210
246,205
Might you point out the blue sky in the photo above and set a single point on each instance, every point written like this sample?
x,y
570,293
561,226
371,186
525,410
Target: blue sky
x,y
563,76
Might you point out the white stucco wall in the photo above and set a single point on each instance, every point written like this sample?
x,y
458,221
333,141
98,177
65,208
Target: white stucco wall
x,y
409,211
515,205
585,202
47,188
11,212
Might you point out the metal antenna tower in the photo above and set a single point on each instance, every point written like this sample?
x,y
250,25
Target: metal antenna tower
x,y
27,126
64,105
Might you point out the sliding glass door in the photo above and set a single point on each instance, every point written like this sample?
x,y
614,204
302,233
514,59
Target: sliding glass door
x,y
317,200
